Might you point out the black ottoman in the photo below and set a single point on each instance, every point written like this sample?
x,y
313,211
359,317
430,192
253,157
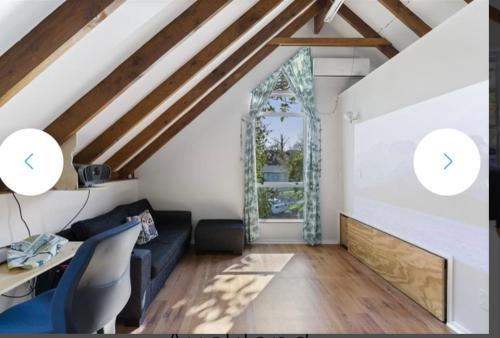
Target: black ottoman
x,y
219,235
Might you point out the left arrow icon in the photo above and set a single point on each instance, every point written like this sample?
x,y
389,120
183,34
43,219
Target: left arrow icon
x,y
27,161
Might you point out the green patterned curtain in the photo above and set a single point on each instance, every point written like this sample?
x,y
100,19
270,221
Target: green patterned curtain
x,y
299,72
260,96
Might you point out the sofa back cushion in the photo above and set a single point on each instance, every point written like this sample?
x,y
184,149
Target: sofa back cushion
x,y
137,208
93,226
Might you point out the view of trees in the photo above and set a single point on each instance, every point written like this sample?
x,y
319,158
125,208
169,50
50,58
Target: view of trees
x,y
279,150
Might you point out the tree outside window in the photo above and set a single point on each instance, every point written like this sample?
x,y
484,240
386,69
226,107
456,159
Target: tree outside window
x,y
280,155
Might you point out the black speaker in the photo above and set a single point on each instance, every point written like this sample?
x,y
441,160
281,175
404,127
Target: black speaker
x,y
92,174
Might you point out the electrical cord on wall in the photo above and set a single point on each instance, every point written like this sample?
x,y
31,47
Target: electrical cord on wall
x,y
21,214
32,286
32,283
78,213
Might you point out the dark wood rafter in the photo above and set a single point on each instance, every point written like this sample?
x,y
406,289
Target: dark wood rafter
x,y
175,81
330,42
48,40
495,14
365,30
406,16
81,112
319,19
214,94
221,71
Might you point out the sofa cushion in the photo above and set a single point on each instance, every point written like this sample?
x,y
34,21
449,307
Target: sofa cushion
x,y
163,248
170,233
93,226
138,207
148,229
161,254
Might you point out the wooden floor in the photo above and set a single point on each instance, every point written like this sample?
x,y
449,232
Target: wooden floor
x,y
282,289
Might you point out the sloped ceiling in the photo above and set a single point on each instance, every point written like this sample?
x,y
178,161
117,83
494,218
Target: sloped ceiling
x,y
92,58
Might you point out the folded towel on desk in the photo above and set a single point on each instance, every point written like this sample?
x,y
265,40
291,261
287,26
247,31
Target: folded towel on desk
x,y
34,251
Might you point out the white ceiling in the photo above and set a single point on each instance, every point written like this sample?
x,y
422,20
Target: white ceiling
x,y
132,24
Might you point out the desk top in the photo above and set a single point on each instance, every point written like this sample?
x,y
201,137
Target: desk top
x,y
10,279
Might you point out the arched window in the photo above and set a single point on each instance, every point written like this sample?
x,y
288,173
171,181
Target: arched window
x,y
279,147
282,157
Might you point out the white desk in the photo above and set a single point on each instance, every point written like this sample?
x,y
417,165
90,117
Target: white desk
x,y
10,279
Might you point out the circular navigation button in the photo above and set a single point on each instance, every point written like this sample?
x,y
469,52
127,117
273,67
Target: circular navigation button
x,y
31,162
446,162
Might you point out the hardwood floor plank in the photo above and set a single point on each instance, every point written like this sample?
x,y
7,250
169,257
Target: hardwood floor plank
x,y
282,289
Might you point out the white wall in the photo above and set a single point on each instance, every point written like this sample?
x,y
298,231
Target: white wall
x,y
449,58
54,209
51,211
84,64
200,169
17,18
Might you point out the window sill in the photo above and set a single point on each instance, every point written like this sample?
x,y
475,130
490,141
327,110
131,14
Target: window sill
x,y
280,220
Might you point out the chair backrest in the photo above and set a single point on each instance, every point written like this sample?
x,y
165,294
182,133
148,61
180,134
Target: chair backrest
x,y
96,285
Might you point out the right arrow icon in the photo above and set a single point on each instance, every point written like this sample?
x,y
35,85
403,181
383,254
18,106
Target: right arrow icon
x,y
450,161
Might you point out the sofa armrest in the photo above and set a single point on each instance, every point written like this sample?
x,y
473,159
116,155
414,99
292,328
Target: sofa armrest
x,y
173,217
140,279
68,234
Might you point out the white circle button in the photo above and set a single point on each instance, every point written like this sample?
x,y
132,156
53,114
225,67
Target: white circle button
x,y
446,162
31,162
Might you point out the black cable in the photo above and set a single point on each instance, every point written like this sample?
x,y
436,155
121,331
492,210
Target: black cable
x,y
32,286
32,283
21,214
25,295
79,211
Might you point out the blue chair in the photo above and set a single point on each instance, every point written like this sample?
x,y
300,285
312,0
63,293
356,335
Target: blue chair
x,y
91,293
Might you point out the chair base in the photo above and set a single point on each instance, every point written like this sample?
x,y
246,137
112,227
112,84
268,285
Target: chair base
x,y
110,328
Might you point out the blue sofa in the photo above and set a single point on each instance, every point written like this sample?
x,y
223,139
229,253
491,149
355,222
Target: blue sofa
x,y
151,263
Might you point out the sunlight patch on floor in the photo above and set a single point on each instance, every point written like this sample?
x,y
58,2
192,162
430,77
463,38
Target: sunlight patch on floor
x,y
261,263
230,296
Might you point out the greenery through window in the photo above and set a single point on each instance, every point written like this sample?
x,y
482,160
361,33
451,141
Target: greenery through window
x,y
280,155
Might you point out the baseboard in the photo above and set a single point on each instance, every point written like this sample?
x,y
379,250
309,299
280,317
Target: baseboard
x,y
284,241
279,241
457,328
330,241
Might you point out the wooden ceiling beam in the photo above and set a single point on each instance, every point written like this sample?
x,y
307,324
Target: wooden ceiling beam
x,y
175,81
330,42
494,14
48,40
82,111
221,71
216,93
406,16
319,19
365,30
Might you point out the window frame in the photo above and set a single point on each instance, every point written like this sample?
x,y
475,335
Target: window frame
x,y
258,185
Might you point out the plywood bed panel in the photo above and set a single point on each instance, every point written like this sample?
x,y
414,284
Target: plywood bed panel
x,y
419,274
344,240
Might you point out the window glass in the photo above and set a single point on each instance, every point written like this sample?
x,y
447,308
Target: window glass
x,y
280,155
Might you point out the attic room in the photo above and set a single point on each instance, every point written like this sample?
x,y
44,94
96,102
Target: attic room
x,y
248,166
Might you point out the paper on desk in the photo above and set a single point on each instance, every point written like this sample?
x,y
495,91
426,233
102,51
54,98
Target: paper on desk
x,y
34,251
